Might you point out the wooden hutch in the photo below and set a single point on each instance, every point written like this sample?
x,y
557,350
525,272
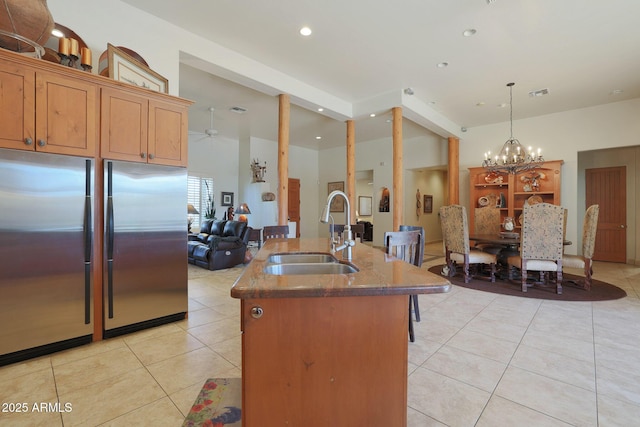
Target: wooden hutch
x,y
511,191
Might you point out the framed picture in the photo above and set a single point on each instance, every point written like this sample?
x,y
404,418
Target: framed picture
x,y
364,205
428,204
227,199
337,204
125,68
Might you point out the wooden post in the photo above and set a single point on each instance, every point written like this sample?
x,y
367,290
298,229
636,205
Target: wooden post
x,y
398,186
454,170
351,168
283,159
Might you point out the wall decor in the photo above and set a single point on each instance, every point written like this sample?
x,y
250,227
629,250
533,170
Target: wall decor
x,y
125,68
227,199
364,205
384,200
428,204
337,204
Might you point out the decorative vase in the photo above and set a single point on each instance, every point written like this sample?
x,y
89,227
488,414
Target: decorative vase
x,y
508,224
30,19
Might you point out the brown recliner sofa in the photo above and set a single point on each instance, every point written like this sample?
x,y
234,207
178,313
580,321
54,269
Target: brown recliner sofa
x,y
219,244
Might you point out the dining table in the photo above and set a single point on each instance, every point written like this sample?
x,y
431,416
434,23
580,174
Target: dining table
x,y
511,245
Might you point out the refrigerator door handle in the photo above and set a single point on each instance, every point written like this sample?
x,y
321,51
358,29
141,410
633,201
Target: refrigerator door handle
x,y
87,243
110,237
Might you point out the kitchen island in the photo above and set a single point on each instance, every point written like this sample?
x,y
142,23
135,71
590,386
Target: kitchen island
x,y
327,349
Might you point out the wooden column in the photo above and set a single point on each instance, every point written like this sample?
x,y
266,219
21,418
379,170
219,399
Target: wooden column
x,y
351,168
283,159
398,186
454,170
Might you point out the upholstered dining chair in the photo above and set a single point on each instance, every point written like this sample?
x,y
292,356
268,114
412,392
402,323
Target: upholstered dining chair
x,y
405,245
487,221
541,243
589,228
275,232
455,232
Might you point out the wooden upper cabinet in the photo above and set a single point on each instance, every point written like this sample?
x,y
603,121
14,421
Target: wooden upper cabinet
x,y
66,114
17,99
168,131
46,112
124,123
50,108
142,129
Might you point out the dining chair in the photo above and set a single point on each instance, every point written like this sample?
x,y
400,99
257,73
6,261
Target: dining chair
x,y
413,301
541,244
487,221
405,245
357,230
275,232
584,261
455,233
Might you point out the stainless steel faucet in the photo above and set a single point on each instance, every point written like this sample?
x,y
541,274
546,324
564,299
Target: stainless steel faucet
x,y
348,241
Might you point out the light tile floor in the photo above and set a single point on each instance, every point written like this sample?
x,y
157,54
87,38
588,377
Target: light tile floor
x,y
480,359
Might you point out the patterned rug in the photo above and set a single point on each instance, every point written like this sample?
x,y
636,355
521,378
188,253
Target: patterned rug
x,y
217,405
600,291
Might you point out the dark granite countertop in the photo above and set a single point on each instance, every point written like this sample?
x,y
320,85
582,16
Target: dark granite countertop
x,y
379,274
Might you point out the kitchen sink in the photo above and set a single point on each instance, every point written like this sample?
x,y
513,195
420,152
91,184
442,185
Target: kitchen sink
x,y
299,257
310,268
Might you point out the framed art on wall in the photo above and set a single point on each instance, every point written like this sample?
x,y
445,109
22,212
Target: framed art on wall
x,y
337,204
428,204
227,199
125,68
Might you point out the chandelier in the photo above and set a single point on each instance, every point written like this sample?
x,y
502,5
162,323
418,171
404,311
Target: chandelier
x,y
512,158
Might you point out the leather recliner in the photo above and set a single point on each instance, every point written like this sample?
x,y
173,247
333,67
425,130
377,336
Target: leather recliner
x,y
219,244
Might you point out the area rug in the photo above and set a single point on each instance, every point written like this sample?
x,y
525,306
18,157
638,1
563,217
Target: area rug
x,y
600,291
217,405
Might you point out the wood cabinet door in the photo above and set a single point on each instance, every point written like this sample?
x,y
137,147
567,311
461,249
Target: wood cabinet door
x,y
167,133
66,112
338,361
124,125
17,100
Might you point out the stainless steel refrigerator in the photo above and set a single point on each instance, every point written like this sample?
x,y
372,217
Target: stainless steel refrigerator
x,y
145,251
46,237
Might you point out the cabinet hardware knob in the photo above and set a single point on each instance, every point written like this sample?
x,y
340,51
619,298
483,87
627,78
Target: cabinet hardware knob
x,y
28,141
151,156
257,312
41,142
143,155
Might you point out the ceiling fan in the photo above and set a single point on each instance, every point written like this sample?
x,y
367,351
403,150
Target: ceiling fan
x,y
210,132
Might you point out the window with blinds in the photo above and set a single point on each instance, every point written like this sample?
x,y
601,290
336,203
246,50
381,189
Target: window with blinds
x,y
200,195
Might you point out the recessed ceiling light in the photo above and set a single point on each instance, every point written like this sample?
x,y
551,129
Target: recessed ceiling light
x,y
443,65
539,92
372,115
616,92
409,91
57,33
318,137
503,105
468,33
305,31
480,104
321,109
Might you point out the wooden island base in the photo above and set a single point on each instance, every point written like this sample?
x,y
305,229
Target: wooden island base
x,y
327,349
336,361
